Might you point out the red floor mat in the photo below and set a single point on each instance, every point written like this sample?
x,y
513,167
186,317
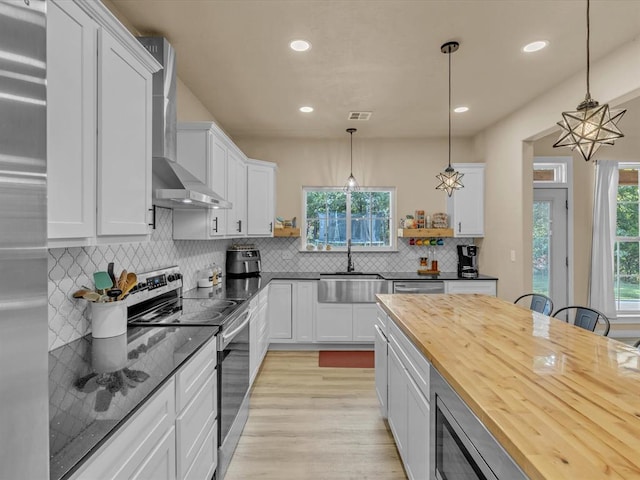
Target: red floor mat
x,y
346,359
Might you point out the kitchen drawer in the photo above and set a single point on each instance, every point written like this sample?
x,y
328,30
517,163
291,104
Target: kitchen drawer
x,y
206,460
382,320
413,360
192,376
194,423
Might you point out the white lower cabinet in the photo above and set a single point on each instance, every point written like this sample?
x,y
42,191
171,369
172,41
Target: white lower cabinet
x,y
258,333
397,401
364,319
281,310
292,310
417,446
408,402
345,322
197,408
304,302
381,357
161,462
140,448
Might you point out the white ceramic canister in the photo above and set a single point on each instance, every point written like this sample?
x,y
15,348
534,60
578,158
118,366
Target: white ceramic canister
x,y
108,319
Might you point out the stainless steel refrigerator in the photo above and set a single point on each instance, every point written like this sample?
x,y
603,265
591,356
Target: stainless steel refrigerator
x,y
24,424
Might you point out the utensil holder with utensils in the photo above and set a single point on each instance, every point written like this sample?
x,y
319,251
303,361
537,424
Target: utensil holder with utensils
x,y
108,319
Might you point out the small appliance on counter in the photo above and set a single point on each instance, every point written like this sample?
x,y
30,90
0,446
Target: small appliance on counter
x,y
243,260
467,261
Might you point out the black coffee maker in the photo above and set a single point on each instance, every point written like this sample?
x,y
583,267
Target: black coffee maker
x,y
467,261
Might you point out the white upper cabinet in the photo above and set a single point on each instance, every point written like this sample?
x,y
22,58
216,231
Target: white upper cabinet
x,y
218,182
124,142
210,156
99,127
466,206
261,198
237,194
71,120
213,158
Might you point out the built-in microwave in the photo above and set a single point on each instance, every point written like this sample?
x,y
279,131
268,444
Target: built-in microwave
x,y
461,446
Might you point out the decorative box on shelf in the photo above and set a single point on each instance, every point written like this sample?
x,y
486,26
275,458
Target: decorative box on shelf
x,y
425,232
286,232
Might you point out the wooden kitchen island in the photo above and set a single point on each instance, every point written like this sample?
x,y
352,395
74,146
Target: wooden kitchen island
x,y
562,401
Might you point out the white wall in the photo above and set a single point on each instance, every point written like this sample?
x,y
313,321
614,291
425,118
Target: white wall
x,y
408,164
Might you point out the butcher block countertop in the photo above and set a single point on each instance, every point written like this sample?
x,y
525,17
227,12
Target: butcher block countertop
x,y
562,401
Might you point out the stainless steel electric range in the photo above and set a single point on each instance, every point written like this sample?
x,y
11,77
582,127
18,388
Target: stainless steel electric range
x,y
159,300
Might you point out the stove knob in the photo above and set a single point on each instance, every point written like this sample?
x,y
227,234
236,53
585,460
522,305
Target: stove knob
x,y
140,286
178,276
172,277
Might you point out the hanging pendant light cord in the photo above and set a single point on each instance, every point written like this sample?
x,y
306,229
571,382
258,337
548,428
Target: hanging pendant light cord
x,y
351,169
588,53
449,108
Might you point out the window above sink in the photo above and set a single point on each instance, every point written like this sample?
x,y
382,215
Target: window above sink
x,y
331,216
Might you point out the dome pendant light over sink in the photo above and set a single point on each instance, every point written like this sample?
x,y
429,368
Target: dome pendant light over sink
x,y
352,183
592,125
449,179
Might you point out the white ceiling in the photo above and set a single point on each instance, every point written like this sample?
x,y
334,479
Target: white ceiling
x,y
376,55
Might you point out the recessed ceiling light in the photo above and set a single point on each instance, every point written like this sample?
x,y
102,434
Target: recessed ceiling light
x,y
306,109
300,45
461,109
535,46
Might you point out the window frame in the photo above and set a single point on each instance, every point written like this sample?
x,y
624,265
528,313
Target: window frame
x,y
624,239
393,247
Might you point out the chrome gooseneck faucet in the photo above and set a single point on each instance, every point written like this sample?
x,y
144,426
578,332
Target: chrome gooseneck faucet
x,y
350,266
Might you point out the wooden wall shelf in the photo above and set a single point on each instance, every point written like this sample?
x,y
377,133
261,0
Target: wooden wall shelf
x,y
425,232
286,232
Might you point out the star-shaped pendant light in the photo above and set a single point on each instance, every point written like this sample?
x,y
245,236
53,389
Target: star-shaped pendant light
x,y
449,179
591,125
352,183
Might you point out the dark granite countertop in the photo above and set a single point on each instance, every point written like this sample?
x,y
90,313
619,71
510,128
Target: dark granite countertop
x,y
441,276
246,288
268,276
96,384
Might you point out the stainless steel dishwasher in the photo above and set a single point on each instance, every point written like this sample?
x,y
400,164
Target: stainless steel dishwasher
x,y
418,286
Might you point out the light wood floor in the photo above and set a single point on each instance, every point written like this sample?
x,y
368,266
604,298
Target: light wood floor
x,y
312,423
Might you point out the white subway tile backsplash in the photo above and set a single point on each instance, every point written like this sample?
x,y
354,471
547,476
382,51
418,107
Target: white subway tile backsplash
x,y
71,268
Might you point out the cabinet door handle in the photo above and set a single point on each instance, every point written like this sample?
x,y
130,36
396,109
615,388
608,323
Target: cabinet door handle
x,y
271,227
215,224
239,226
459,227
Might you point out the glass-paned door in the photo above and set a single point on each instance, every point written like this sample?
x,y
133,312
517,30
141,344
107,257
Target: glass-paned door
x,y
549,259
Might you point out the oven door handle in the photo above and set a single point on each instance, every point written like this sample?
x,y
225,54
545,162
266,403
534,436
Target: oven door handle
x,y
228,336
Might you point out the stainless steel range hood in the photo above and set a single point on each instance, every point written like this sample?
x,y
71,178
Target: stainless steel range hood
x,y
173,185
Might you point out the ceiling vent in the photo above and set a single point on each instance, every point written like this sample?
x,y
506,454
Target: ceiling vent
x,y
360,115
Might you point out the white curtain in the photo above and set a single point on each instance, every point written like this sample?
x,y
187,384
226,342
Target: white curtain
x,y
601,287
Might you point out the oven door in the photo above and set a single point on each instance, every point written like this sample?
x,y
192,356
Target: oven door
x,y
233,384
